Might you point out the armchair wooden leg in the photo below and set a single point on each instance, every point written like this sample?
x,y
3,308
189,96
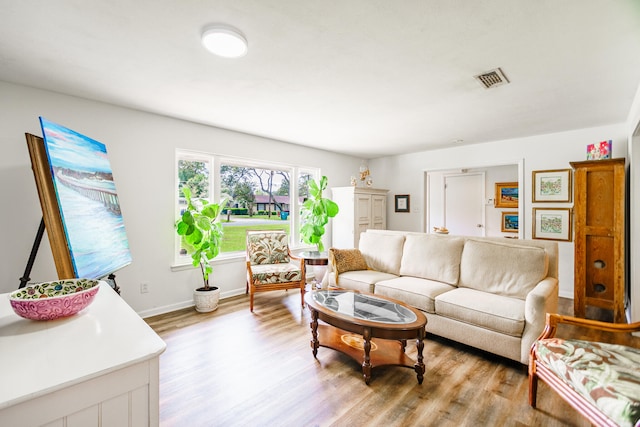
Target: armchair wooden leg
x,y
533,390
533,384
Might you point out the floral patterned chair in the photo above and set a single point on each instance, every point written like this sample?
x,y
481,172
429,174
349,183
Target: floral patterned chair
x,y
599,380
269,264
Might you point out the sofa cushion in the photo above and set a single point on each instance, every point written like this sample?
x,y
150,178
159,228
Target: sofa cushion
x,y
494,312
346,260
432,257
362,280
502,269
418,293
382,252
604,374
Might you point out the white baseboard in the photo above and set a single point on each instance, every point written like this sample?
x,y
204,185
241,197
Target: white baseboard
x,y
184,304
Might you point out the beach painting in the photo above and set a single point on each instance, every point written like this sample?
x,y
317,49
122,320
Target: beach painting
x,y
88,201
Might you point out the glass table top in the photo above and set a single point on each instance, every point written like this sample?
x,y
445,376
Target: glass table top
x,y
364,306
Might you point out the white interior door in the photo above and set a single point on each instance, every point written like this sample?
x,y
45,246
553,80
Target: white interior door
x,y
464,197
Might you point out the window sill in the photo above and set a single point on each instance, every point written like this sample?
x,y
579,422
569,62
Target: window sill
x,y
220,259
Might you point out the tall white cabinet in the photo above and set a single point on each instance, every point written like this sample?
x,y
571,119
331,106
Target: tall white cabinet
x,y
360,208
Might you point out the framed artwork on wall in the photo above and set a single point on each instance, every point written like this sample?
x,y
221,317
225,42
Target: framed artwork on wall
x,y
509,222
552,186
552,224
506,195
402,203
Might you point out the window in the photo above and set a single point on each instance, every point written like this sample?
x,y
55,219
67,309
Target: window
x,y
259,195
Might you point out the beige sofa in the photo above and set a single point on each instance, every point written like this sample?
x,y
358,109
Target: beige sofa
x,y
491,293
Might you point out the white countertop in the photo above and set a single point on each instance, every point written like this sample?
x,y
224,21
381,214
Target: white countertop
x,y
39,357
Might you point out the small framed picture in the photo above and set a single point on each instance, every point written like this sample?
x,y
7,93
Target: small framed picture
x,y
552,186
552,224
402,203
506,195
509,222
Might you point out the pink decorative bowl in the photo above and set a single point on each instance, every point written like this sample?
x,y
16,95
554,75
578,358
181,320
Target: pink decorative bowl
x,y
53,300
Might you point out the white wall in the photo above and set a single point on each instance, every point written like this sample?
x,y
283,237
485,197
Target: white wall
x,y
404,174
633,131
141,149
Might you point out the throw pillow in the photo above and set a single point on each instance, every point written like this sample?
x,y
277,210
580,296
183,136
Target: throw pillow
x,y
347,260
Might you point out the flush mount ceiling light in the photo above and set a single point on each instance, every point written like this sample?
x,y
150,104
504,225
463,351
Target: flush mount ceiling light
x,y
225,41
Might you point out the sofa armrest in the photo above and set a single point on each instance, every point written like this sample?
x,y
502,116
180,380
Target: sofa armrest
x,y
541,300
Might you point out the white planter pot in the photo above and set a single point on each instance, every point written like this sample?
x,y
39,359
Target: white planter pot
x,y
206,301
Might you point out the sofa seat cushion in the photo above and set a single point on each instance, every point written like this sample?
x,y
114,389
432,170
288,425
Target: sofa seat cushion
x,y
434,257
418,293
502,269
382,252
493,312
606,375
362,280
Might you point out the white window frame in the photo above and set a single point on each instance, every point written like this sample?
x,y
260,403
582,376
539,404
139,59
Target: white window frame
x,y
215,161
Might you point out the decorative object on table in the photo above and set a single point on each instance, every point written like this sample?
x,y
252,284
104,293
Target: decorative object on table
x,y
80,206
506,195
552,224
270,264
53,300
509,222
316,211
354,181
599,151
552,185
441,230
201,233
402,203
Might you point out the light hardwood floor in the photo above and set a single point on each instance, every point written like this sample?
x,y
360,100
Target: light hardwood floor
x,y
237,368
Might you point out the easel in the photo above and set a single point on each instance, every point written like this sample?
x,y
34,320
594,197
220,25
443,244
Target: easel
x,y
51,219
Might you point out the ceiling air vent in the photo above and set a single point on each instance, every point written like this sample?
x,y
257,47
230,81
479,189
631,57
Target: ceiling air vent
x,y
492,78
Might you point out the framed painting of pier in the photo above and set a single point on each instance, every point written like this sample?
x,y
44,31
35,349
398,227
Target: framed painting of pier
x,y
80,205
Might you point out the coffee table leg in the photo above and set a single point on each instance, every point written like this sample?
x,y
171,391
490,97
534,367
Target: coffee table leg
x,y
366,365
419,366
314,332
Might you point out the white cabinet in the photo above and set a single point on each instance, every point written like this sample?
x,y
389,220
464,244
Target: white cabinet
x,y
360,209
97,368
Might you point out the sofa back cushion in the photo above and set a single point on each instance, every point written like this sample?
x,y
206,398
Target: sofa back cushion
x,y
382,251
502,269
432,257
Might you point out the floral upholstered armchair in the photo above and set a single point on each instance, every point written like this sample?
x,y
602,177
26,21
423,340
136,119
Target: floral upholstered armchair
x,y
599,380
270,266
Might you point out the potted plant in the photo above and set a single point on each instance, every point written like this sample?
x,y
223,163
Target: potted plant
x,y
316,212
201,234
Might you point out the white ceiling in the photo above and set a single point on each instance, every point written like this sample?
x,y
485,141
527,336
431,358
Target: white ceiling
x,y
363,77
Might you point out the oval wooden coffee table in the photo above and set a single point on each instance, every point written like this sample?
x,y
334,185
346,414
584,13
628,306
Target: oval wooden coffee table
x,y
354,319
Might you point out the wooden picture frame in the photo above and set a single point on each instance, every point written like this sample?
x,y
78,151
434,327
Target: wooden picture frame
x,y
50,208
552,224
510,222
402,203
551,186
506,195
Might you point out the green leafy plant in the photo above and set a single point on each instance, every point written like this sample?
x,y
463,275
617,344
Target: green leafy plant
x,y
316,212
201,232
